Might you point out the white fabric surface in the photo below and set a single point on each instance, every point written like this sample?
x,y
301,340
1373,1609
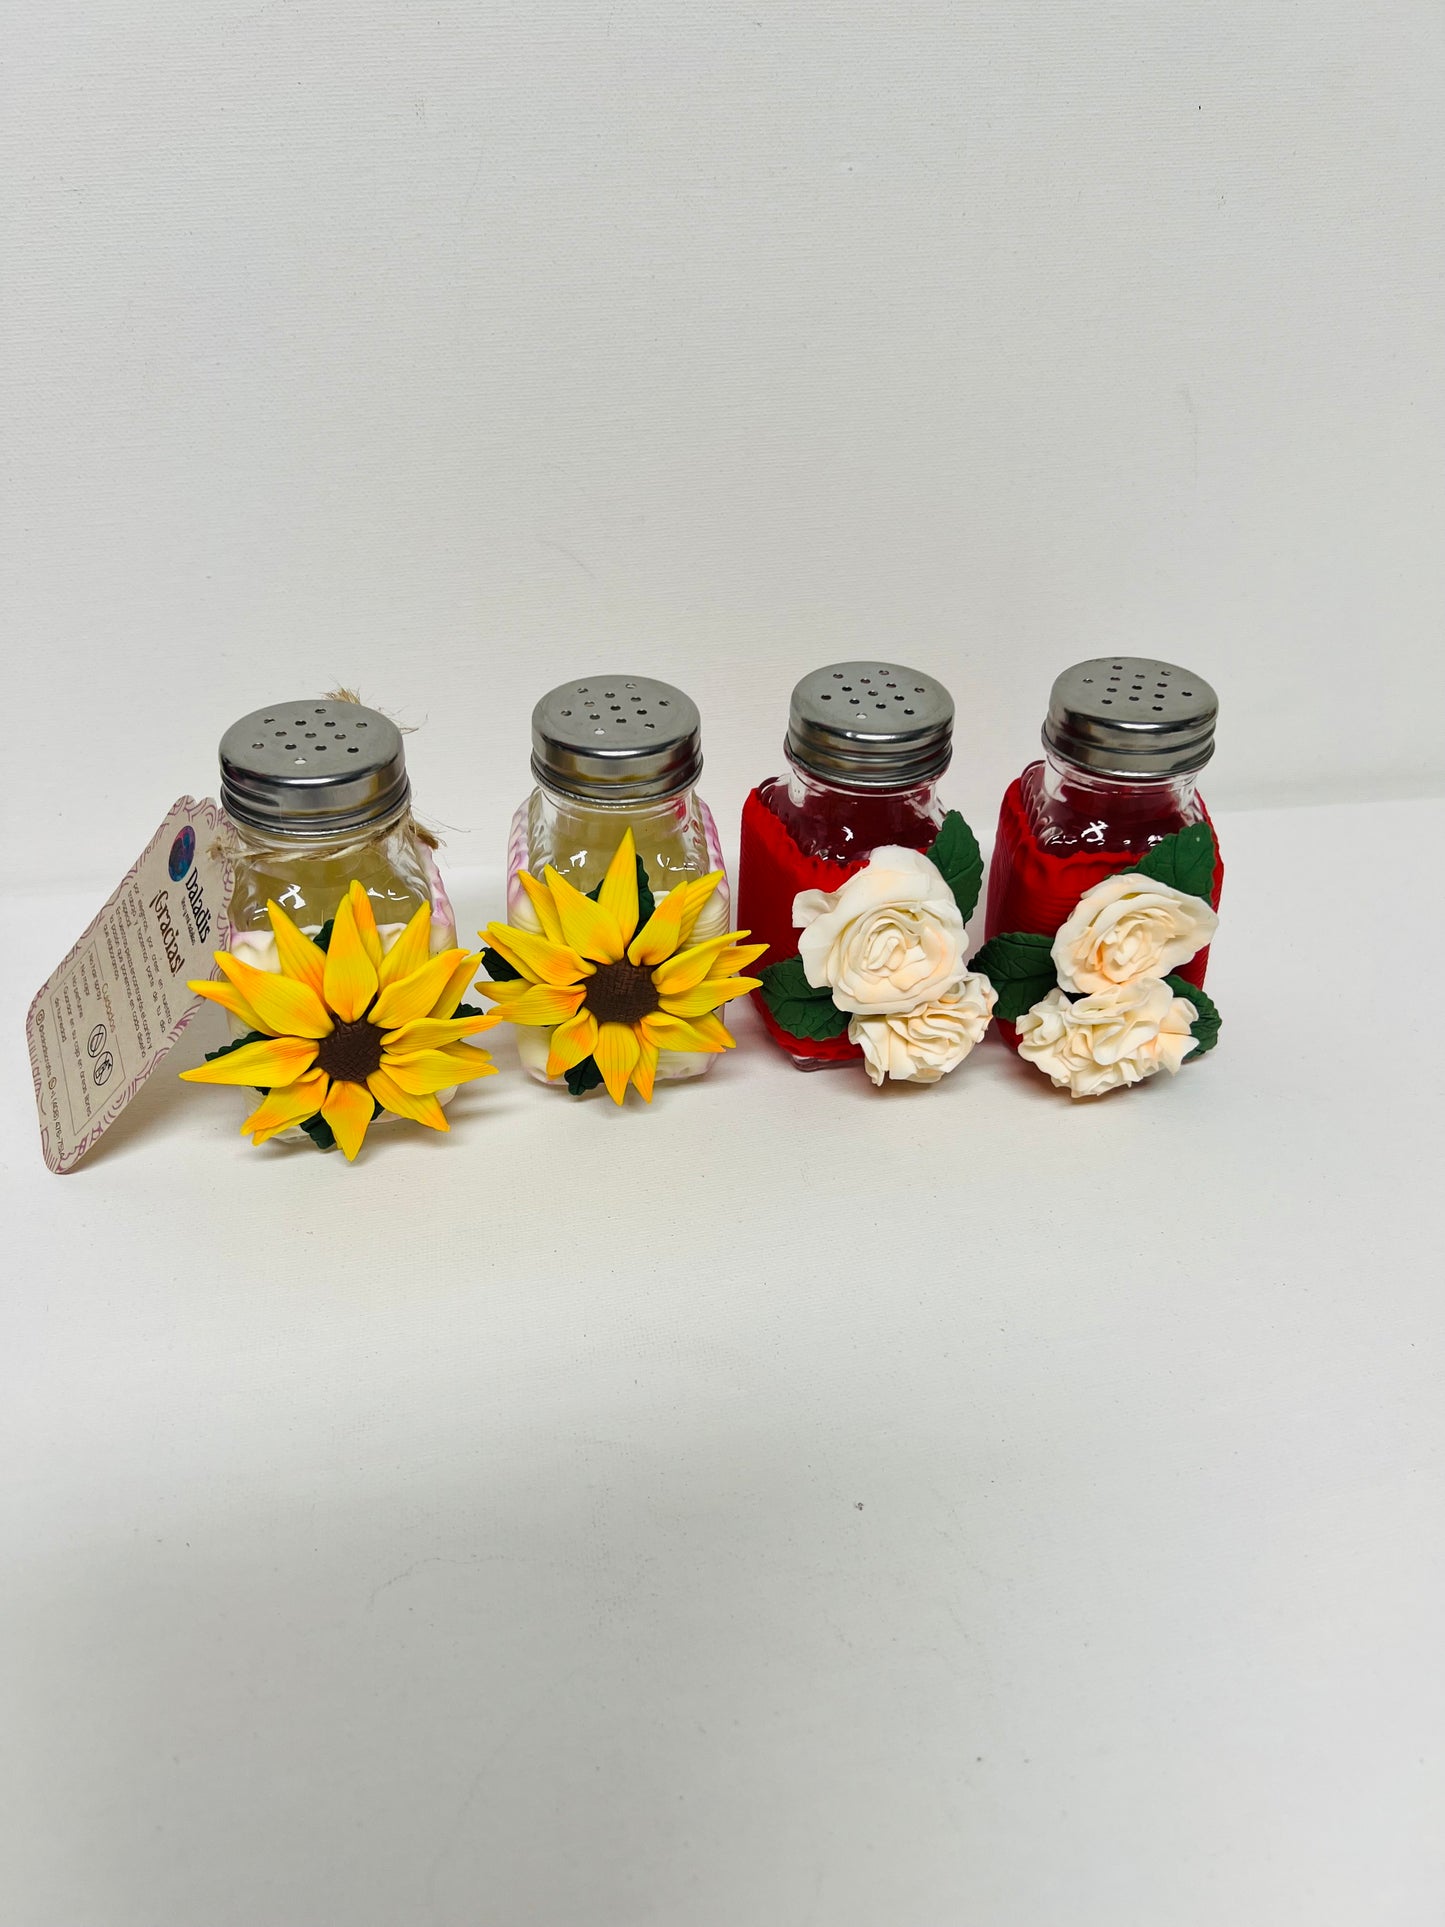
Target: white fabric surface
x,y
794,1503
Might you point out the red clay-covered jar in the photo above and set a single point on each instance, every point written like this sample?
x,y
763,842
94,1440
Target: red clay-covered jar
x,y
1124,741
865,747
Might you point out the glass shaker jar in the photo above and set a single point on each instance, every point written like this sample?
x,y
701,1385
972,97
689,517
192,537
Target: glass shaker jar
x,y
1124,741
315,793
609,754
866,745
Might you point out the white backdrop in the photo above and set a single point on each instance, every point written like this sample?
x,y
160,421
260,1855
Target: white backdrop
x,y
451,349
910,1508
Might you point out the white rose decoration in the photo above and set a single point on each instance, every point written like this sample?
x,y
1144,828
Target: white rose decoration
x,y
1112,1038
1129,927
919,1046
890,939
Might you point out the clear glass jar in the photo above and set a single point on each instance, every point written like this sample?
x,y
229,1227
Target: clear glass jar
x,y
393,864
1124,741
316,794
866,746
609,754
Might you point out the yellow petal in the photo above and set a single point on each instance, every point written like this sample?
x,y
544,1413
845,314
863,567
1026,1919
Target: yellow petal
x,y
410,951
617,1052
349,983
659,936
506,990
348,1109
298,955
697,895
229,998
421,1110
286,1008
272,1062
689,967
366,928
538,958
707,995
542,1004
458,984
591,930
403,1001
646,1068
292,1104
571,1042
351,980
425,1071
431,1033
677,1033
540,898
738,958
467,1059
713,1032
618,895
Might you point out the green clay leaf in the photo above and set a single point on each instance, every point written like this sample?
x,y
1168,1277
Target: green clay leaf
x,y
646,902
1205,1028
1020,966
583,1077
469,1010
802,1009
497,967
322,940
320,1132
956,853
1185,859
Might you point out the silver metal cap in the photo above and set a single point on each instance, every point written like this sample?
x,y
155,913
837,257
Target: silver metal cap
x,y
1132,716
866,725
617,740
313,769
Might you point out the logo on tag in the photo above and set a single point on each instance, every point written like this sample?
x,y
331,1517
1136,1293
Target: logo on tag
x,y
183,852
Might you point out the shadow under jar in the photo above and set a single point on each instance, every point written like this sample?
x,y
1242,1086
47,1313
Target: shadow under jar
x,y
1124,741
865,747
609,754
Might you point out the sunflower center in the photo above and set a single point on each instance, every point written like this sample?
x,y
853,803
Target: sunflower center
x,y
621,993
351,1052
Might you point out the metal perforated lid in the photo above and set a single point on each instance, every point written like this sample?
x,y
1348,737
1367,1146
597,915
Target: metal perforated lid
x,y
867,725
1132,716
616,739
313,768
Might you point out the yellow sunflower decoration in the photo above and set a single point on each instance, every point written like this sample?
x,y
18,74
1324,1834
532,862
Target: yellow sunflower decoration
x,y
341,1031
617,993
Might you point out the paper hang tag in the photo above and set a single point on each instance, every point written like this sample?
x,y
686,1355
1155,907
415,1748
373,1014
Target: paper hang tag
x,y
109,1015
